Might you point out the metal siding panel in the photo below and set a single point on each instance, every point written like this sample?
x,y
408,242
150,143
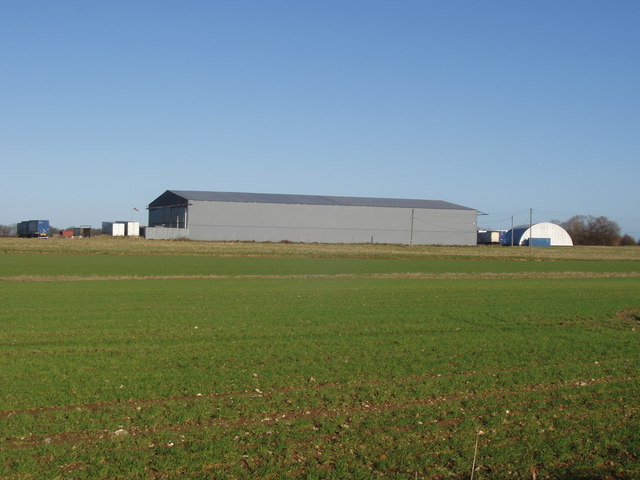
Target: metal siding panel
x,y
445,227
299,223
164,233
234,221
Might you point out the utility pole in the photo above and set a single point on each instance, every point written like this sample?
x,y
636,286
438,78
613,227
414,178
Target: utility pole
x,y
530,232
411,233
512,230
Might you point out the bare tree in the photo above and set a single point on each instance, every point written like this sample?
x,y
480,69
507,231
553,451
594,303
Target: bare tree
x,y
627,240
576,227
590,230
7,230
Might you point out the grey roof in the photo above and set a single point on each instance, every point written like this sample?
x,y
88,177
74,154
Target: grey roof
x,y
303,200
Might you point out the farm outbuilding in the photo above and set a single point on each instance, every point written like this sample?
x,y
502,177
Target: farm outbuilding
x,y
543,234
229,216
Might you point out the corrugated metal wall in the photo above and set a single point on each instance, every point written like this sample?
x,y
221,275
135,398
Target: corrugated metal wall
x,y
164,233
263,222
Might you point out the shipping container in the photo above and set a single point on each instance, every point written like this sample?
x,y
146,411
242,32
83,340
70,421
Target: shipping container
x,y
538,242
115,229
131,229
488,237
34,229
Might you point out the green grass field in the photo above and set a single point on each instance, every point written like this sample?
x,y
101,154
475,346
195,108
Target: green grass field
x,y
132,359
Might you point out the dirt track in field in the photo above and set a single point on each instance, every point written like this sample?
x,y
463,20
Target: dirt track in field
x,y
420,275
289,415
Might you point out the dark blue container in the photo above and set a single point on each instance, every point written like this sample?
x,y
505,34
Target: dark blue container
x,y
34,228
538,242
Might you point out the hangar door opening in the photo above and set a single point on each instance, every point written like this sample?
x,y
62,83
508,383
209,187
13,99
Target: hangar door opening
x,y
174,216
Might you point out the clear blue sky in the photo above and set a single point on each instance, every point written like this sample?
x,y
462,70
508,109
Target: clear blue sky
x,y
496,105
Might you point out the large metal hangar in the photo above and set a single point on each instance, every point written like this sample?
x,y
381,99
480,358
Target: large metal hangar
x,y
260,217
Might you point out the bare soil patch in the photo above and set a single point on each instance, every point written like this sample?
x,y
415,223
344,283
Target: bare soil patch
x,y
632,314
400,275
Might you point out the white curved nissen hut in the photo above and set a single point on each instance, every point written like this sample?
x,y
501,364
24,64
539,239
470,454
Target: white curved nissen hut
x,y
259,217
540,234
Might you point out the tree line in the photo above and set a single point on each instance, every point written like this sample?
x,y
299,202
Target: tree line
x,y
590,230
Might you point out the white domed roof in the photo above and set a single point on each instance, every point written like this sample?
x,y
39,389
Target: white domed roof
x,y
558,235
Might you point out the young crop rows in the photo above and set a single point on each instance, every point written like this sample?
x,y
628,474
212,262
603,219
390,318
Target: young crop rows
x,y
205,366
